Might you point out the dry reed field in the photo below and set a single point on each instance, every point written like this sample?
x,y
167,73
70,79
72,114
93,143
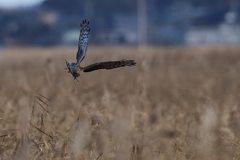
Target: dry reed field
x,y
175,104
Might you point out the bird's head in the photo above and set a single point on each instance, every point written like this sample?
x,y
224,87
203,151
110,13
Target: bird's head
x,y
67,62
68,66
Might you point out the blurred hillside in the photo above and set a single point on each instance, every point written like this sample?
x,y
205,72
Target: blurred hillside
x,y
168,22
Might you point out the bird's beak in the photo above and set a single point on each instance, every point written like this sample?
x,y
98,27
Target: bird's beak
x,y
66,61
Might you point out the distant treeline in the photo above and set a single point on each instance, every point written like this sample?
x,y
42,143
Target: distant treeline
x,y
167,20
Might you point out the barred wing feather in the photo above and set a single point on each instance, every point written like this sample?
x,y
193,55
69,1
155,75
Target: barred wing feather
x,y
109,65
83,41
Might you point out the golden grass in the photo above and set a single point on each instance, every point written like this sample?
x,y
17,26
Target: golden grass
x,y
176,103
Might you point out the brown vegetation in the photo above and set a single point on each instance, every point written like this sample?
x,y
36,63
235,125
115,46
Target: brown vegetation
x,y
176,103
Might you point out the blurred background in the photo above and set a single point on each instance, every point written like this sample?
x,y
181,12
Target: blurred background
x,y
120,22
179,102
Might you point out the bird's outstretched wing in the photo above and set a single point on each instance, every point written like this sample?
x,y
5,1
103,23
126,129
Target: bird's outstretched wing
x,y
83,41
109,65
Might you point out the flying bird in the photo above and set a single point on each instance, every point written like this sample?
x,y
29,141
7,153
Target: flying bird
x,y
75,68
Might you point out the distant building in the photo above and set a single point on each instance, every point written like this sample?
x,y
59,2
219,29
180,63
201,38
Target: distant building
x,y
70,37
124,29
226,33
48,18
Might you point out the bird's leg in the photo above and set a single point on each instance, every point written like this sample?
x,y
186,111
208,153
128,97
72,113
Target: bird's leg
x,y
67,69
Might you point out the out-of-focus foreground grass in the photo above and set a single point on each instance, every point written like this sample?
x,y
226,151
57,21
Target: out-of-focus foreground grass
x,y
176,103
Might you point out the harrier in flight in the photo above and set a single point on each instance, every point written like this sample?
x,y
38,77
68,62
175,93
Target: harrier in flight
x,y
75,68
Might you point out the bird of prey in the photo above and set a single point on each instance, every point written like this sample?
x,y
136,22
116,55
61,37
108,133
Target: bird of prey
x,y
75,68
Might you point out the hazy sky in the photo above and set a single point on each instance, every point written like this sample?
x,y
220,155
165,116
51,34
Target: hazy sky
x,y
18,3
